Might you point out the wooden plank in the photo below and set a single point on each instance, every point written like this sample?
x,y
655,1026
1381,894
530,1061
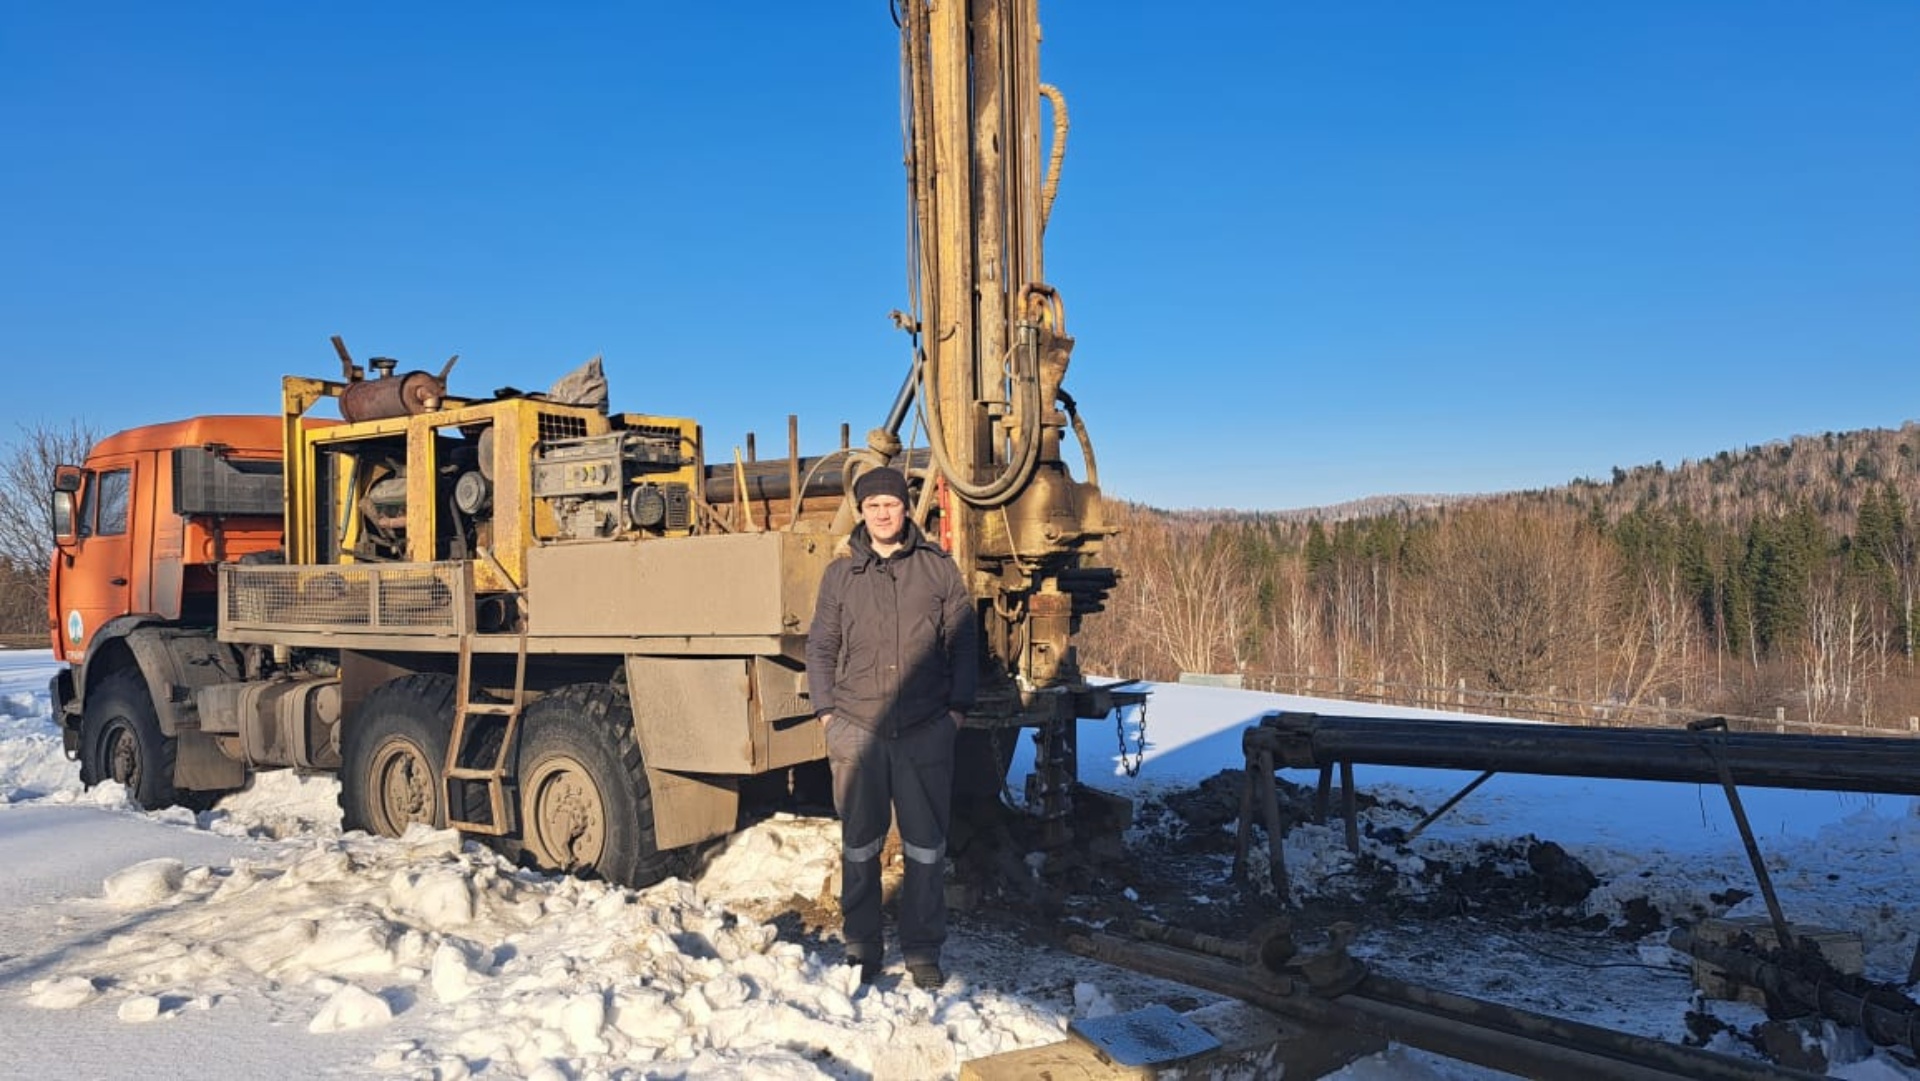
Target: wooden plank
x,y
1068,1060
1253,1042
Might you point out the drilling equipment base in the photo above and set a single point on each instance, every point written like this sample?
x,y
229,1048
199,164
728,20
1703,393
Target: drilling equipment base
x,y
1844,950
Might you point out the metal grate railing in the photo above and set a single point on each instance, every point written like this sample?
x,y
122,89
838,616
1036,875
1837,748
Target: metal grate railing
x,y
371,597
561,426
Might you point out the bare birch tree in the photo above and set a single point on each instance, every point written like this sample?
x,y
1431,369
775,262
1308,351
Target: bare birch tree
x,y
1298,616
1835,650
1196,599
1517,593
1658,643
26,524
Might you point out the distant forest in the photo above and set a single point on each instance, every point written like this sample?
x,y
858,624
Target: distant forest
x,y
1779,580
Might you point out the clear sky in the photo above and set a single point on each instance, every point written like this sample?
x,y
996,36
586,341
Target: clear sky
x,y
1311,252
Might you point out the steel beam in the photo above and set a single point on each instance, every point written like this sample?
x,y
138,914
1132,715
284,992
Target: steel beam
x,y
1488,1034
1765,760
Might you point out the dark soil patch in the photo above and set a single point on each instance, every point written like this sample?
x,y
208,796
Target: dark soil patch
x,y
1177,868
1187,840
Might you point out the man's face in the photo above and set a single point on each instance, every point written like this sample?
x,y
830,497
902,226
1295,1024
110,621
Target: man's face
x,y
886,518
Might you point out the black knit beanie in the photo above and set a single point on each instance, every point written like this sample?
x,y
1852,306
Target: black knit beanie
x,y
881,481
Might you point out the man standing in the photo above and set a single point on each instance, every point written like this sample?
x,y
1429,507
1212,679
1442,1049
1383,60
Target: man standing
x,y
892,660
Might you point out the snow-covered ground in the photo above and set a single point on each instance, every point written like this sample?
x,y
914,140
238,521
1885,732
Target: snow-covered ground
x,y
256,939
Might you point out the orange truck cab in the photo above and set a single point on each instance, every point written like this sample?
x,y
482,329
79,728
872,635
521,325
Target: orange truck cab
x,y
141,529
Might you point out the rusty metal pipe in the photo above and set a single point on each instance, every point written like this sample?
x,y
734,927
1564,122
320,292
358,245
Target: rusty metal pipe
x,y
1783,933
1763,759
1378,990
393,396
774,479
1471,1030
903,401
1894,1020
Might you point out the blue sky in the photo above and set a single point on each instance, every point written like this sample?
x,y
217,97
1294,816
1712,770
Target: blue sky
x,y
1310,252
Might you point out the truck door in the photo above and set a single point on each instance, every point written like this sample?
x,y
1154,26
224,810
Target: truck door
x,y
97,585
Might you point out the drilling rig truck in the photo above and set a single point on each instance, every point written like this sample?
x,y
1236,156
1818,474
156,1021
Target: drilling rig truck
x,y
557,626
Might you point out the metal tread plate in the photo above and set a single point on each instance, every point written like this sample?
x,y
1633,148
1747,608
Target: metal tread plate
x,y
1150,1036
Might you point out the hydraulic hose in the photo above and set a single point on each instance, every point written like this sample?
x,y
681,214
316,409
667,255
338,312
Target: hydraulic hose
x,y
1057,153
1009,483
1080,433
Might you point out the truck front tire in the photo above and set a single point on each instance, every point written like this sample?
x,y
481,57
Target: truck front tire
x,y
120,740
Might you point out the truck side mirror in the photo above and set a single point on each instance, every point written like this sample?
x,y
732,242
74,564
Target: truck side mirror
x,y
64,532
66,482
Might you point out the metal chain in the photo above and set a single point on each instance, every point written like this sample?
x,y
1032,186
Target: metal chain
x,y
1131,765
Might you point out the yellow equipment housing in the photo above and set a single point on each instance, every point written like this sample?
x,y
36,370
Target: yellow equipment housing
x,y
484,480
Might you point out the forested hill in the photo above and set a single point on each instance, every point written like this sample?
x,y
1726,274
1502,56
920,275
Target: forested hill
x,y
1373,506
1779,577
1827,476
1831,474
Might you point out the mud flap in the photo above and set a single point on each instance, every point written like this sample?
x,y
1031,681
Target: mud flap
x,y
66,711
689,808
199,765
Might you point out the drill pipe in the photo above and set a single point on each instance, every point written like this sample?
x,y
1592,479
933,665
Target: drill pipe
x,y
1763,759
768,478
1471,1030
1887,1021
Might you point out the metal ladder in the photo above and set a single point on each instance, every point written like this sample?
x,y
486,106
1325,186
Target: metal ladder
x,y
455,776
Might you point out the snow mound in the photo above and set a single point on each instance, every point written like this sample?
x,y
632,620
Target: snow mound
x,y
776,861
277,804
350,1008
33,758
62,993
518,974
144,884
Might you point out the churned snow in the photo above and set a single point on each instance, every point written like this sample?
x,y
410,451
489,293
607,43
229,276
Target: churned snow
x,y
256,939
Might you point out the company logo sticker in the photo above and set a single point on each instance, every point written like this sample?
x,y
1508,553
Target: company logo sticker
x,y
76,627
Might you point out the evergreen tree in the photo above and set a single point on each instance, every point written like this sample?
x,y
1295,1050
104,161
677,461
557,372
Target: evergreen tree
x,y
1782,555
1319,552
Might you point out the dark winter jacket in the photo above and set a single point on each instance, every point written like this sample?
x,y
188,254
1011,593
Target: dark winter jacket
x,y
895,642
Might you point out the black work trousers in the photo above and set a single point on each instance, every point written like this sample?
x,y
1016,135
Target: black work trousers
x,y
874,777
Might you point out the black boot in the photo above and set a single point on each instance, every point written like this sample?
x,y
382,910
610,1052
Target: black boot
x,y
869,967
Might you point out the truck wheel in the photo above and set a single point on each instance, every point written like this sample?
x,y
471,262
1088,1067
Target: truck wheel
x,y
585,807
391,756
120,740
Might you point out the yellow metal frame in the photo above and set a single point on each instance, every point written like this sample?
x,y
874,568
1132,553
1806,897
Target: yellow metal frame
x,y
519,522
